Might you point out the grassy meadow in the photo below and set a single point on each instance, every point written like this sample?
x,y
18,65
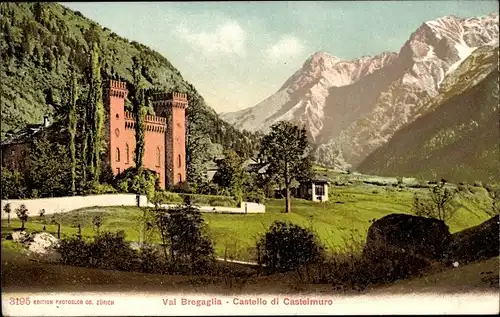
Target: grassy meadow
x,y
346,217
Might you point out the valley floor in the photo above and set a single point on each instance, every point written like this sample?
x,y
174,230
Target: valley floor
x,y
342,222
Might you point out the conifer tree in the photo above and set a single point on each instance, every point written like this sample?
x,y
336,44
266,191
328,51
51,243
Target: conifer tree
x,y
95,117
138,109
72,124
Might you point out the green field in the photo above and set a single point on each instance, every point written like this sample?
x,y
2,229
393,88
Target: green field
x,y
348,213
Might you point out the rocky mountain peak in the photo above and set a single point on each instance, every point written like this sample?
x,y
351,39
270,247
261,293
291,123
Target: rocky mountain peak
x,y
356,105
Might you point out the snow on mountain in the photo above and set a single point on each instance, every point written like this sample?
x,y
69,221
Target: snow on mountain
x,y
352,107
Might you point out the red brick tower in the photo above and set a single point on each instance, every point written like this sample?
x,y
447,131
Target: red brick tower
x,y
173,107
116,92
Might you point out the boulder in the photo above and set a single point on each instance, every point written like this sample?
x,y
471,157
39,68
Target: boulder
x,y
476,243
20,236
44,245
402,236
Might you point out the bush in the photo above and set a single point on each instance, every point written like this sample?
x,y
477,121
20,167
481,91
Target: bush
x,y
478,184
74,251
150,260
222,202
286,246
211,200
100,189
107,250
208,188
256,195
182,187
162,197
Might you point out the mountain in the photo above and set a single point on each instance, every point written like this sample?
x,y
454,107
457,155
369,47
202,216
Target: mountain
x,y
38,43
352,107
459,137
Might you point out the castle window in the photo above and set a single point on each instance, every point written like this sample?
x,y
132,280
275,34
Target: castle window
x,y
117,116
158,157
117,154
180,177
127,154
179,160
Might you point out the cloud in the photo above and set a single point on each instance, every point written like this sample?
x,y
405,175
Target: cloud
x,y
288,46
227,38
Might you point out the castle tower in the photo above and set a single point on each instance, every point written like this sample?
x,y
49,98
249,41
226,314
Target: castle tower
x,y
173,106
116,93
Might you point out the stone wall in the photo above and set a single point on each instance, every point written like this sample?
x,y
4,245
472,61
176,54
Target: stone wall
x,y
65,204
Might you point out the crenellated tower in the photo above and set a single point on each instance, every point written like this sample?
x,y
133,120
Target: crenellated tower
x,y
173,106
116,93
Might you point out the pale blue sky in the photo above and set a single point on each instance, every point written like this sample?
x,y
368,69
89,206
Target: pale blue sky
x,y
238,53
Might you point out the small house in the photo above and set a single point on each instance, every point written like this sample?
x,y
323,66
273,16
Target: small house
x,y
315,190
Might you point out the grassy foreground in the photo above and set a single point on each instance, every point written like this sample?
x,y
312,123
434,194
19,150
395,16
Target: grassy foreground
x,y
346,217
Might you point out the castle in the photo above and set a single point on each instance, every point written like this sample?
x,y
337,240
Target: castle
x,y
164,136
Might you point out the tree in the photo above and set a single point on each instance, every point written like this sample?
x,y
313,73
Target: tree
x,y
231,174
13,184
41,213
138,99
437,205
96,119
285,150
286,246
22,214
72,125
7,209
183,230
49,168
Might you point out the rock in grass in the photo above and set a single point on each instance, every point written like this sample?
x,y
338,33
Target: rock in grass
x,y
413,236
476,243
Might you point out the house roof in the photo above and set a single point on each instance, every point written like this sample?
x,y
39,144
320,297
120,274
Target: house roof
x,y
25,135
318,180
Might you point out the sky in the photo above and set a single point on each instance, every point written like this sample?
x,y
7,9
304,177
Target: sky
x,y
237,54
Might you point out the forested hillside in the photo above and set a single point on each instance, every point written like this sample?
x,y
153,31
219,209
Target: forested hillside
x,y
39,42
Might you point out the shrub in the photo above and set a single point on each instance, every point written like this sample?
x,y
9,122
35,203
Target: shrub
x,y
182,187
286,246
162,197
74,251
110,251
211,200
100,189
208,188
256,195
150,260
222,201
478,184
107,251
